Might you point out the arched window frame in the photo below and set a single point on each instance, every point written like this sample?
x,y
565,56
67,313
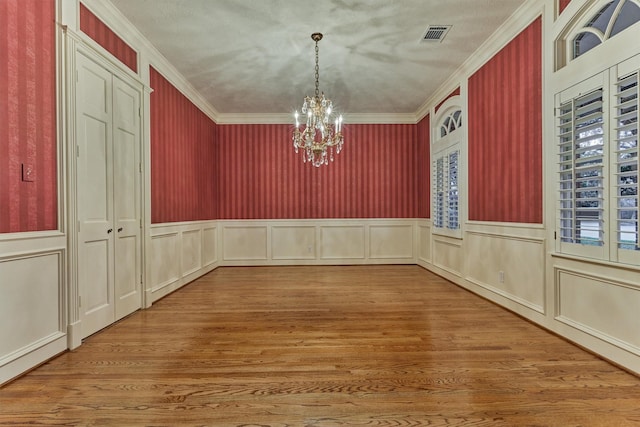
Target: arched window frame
x,y
579,24
448,132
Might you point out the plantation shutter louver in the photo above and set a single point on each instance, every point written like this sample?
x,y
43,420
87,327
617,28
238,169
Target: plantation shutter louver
x,y
626,168
581,157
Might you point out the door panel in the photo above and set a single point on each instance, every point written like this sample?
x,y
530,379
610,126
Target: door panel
x,y
127,210
95,195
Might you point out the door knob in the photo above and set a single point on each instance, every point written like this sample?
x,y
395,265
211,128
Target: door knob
x,y
119,229
109,230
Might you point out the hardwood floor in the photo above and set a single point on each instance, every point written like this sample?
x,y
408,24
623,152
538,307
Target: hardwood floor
x,y
324,346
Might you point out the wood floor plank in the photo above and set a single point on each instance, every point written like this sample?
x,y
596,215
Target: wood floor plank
x,y
324,346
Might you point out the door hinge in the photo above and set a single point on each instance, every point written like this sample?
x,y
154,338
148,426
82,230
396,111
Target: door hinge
x,y
139,112
79,301
140,166
555,235
77,150
79,226
140,223
140,278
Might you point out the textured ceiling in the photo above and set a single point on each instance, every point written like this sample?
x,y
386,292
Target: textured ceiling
x,y
257,56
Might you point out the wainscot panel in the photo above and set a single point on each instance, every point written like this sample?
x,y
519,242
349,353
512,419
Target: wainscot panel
x,y
603,307
209,245
165,262
391,241
342,242
179,253
32,307
248,242
448,254
511,266
293,242
424,242
191,251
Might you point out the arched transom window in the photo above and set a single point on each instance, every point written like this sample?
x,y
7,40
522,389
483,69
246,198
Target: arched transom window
x,y
451,123
609,20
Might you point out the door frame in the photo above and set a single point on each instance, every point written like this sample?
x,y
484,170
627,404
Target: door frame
x,y
75,44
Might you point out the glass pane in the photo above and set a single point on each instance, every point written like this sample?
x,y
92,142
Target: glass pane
x,y
584,42
629,15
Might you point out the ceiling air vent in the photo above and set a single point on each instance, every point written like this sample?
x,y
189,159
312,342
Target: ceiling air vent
x,y
436,33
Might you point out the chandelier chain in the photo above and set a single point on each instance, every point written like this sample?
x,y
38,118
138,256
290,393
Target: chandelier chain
x,y
317,73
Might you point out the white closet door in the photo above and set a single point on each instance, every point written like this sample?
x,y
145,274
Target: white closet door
x,y
126,178
95,196
109,199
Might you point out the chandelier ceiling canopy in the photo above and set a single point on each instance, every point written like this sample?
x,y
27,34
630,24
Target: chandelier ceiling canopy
x,y
320,135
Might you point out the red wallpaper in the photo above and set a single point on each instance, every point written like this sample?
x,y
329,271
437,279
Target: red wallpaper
x,y
261,177
424,171
99,32
451,95
563,4
505,133
28,115
183,160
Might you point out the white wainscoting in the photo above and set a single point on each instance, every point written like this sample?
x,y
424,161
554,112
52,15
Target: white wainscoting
x,y
179,253
424,242
510,264
598,304
33,304
322,242
448,254
502,262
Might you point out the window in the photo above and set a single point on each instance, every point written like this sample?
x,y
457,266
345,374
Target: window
x,y
608,21
446,170
598,163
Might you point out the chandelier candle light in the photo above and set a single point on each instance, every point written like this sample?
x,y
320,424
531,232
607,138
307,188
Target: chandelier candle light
x,y
321,135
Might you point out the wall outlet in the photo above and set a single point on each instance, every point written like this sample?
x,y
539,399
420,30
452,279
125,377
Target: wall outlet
x,y
28,173
501,276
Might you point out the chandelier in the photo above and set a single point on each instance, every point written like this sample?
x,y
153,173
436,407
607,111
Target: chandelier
x,y
320,135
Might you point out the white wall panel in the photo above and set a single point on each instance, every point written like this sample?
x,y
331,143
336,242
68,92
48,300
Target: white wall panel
x,y
600,306
391,241
32,300
165,260
293,242
209,245
510,265
447,254
191,243
244,243
424,242
178,254
342,242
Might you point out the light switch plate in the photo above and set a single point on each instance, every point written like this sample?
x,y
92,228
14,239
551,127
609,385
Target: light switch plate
x,y
28,173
